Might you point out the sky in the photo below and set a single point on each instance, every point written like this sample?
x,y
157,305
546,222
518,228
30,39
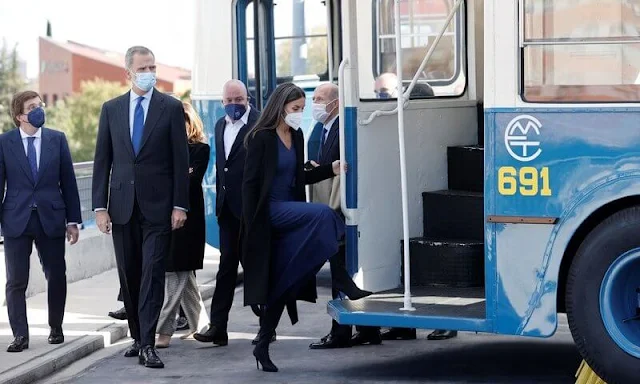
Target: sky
x,y
165,26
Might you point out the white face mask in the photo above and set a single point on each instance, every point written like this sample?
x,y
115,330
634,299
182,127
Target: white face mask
x,y
320,113
293,119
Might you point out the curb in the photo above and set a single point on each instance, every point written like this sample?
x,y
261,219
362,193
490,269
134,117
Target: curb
x,y
45,364
50,362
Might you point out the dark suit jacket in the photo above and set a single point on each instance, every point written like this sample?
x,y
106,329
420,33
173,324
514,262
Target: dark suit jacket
x,y
259,171
229,171
158,178
330,151
54,191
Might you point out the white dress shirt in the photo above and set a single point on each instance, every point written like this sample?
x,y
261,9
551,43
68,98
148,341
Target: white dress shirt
x,y
232,129
133,101
36,143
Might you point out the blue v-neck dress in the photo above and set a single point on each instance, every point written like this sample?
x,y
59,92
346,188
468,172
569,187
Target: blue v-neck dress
x,y
305,235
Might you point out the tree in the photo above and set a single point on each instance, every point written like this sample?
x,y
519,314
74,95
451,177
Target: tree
x,y
316,54
10,84
78,116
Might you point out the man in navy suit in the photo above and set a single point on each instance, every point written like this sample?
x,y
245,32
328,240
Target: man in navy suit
x,y
230,131
141,192
41,205
325,112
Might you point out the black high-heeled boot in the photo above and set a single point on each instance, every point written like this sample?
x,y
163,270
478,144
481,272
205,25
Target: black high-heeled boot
x,y
261,353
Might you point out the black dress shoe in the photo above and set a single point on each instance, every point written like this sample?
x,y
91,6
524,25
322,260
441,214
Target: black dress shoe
x,y
120,314
182,324
19,344
331,342
56,336
398,334
255,339
213,335
441,334
149,358
133,350
370,338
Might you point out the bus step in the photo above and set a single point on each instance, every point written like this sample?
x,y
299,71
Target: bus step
x,y
450,263
453,214
436,308
465,168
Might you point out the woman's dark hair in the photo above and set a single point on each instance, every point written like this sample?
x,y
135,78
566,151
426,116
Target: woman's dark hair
x,y
273,113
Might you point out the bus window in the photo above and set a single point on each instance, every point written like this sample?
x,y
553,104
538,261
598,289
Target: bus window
x,y
300,30
581,51
421,21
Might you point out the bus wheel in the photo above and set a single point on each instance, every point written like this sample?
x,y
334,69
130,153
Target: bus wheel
x,y
602,298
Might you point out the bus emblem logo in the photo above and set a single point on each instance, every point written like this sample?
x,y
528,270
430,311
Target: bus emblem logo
x,y
521,138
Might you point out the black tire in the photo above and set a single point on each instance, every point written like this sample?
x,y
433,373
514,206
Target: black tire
x,y
611,238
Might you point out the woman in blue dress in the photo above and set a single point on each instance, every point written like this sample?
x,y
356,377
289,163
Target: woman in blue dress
x,y
284,240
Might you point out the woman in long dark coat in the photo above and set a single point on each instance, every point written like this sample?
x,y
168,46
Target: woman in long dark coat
x,y
285,241
187,243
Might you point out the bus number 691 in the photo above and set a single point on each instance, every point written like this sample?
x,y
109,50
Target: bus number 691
x,y
528,181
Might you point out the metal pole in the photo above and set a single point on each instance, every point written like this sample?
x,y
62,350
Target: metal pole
x,y
256,52
403,165
329,6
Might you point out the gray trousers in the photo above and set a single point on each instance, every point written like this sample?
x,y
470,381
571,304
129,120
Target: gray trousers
x,y
181,288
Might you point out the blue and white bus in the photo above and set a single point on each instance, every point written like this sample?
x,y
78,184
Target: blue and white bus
x,y
511,195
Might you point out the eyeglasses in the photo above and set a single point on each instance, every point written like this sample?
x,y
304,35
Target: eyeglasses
x,y
34,106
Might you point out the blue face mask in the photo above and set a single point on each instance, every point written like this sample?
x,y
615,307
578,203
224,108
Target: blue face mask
x,y
145,80
36,117
384,95
235,111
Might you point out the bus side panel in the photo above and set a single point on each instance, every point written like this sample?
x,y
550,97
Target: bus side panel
x,y
210,111
559,164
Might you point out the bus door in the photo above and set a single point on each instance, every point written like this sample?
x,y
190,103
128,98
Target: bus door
x,y
296,41
443,162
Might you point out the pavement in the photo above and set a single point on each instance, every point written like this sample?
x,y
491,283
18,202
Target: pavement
x,y
87,328
470,358
92,352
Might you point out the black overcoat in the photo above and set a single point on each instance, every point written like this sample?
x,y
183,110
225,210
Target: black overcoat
x,y
260,169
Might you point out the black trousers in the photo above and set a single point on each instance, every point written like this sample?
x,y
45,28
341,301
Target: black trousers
x,y
141,248
17,252
227,276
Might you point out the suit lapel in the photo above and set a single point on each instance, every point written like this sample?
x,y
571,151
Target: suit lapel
x,y
331,137
156,107
46,152
18,152
123,117
220,141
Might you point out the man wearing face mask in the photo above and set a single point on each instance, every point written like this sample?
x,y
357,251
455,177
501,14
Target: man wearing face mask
x,y
325,112
230,131
41,205
140,192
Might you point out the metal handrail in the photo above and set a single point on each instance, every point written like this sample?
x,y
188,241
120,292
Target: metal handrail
x,y
349,214
426,59
403,165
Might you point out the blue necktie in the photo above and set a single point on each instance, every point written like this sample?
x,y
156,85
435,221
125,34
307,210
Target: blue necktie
x,y
31,156
138,126
324,138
